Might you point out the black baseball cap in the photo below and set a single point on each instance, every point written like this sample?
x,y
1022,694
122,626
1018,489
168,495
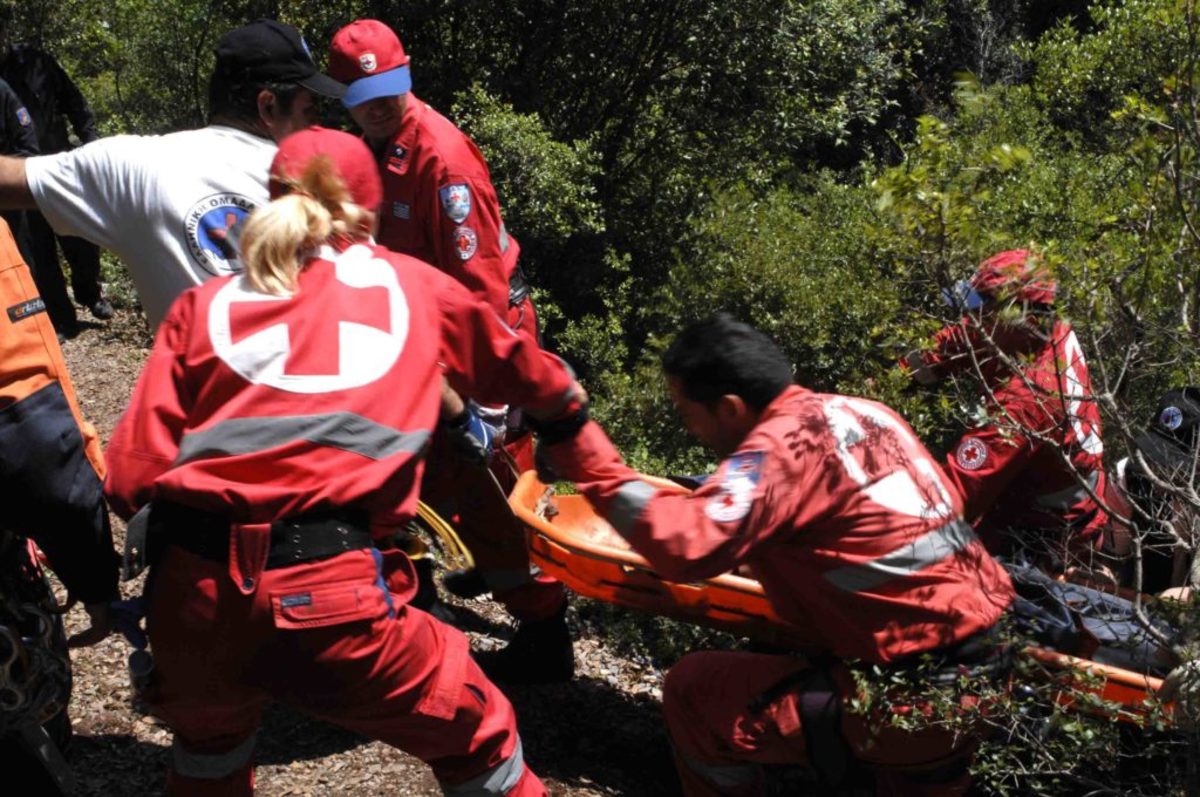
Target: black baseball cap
x,y
271,52
1171,441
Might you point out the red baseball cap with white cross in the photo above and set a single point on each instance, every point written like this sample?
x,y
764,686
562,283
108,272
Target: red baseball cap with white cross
x,y
368,57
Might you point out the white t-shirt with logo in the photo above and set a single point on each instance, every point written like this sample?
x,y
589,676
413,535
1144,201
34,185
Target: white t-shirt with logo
x,y
171,207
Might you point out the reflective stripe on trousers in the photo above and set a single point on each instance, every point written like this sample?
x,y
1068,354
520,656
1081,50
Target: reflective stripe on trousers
x,y
498,781
724,776
926,551
210,766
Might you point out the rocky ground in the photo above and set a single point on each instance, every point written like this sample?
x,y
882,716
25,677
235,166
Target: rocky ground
x,y
601,734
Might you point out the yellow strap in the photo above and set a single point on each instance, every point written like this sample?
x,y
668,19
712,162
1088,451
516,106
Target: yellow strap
x,y
458,556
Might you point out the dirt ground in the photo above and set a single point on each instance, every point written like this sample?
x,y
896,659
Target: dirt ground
x,y
600,734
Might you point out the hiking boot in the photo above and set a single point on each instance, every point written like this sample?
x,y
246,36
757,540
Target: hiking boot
x,y
65,329
101,309
540,652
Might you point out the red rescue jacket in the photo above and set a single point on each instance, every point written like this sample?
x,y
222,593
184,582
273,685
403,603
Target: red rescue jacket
x,y
1009,470
837,509
439,205
262,407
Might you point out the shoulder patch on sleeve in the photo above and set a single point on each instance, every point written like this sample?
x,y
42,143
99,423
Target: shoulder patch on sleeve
x,y
465,242
456,201
972,453
732,502
23,117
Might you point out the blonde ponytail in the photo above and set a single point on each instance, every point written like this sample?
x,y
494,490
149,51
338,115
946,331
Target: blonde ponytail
x,y
277,234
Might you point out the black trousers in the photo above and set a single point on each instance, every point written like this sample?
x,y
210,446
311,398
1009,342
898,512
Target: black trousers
x,y
84,260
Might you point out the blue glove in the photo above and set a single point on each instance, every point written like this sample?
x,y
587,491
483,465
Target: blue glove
x,y
471,437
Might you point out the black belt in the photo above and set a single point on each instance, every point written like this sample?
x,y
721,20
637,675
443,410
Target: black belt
x,y
518,288
984,654
294,540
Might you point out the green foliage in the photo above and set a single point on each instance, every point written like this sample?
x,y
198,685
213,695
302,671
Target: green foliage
x,y
1081,79
821,169
798,266
548,187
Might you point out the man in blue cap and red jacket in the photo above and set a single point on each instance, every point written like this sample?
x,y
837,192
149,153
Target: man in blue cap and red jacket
x,y
439,205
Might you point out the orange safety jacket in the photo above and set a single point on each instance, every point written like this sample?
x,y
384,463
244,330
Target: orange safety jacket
x,y
51,467
30,357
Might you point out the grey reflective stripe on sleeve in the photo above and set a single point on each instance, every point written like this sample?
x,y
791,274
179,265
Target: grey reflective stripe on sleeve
x,y
1065,499
724,776
497,781
925,551
627,505
345,430
503,238
207,766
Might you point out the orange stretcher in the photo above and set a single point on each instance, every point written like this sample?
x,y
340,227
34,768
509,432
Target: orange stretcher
x,y
572,543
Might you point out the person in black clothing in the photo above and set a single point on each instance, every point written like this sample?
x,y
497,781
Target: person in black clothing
x,y
18,136
53,98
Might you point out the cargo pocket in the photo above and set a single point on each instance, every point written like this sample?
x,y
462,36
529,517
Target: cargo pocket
x,y
442,700
328,604
397,574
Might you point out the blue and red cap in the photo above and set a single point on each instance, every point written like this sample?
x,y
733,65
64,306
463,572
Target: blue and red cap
x,y
1014,274
368,57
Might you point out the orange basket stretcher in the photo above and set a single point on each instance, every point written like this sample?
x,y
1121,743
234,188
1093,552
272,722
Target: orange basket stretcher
x,y
570,542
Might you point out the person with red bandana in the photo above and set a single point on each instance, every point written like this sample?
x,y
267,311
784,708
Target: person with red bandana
x,y
1032,472
439,205
277,435
857,538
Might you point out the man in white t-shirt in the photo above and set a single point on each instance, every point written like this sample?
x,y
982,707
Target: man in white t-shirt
x,y
172,206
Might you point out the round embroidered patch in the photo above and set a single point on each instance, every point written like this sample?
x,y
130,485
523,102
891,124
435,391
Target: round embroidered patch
x,y
466,242
728,506
1171,418
972,453
213,229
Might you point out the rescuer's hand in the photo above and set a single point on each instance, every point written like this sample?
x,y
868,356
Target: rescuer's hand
x,y
471,437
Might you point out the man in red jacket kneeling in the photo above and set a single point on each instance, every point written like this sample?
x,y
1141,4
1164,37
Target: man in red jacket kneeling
x,y
833,504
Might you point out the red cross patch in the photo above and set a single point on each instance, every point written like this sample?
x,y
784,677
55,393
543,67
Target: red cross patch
x,y
348,337
972,453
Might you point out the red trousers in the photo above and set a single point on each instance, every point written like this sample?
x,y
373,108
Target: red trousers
x,y
466,494
724,731
332,639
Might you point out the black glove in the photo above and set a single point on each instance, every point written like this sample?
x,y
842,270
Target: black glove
x,y
558,430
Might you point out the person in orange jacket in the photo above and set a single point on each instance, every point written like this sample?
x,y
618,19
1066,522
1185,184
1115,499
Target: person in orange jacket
x,y
439,205
1031,473
50,484
857,537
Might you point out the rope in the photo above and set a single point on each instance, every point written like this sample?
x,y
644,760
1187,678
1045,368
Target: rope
x,y
457,555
